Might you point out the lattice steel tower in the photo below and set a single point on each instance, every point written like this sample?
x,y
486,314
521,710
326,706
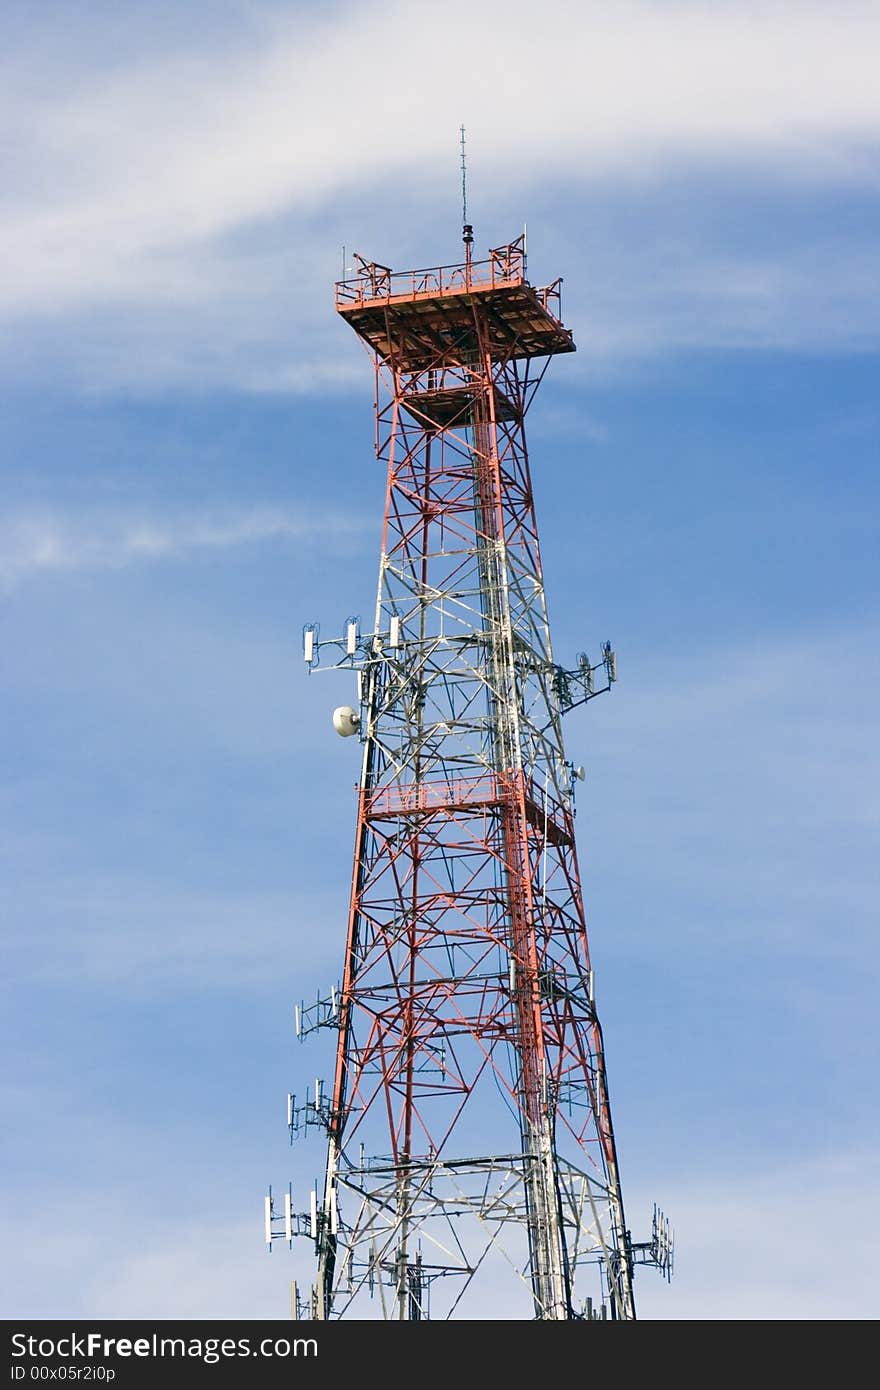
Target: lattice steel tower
x,y
471,1166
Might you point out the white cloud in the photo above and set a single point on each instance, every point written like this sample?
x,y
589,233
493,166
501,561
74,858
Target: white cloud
x,y
40,544
795,1241
210,1268
154,186
188,146
201,1272
777,1241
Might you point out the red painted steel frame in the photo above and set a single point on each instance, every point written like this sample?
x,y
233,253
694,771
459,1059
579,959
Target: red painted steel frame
x,y
467,960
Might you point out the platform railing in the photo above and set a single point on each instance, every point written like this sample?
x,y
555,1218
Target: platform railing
x,y
506,265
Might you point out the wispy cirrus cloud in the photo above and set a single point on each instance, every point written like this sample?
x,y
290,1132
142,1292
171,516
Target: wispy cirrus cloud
x,y
190,203
189,145
34,544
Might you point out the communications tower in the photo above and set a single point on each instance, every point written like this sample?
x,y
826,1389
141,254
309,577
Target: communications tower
x,y
471,1168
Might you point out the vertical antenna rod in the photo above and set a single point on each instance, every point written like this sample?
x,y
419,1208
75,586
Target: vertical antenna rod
x,y
467,231
463,179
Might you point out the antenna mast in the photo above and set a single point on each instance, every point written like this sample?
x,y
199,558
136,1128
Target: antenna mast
x,y
467,231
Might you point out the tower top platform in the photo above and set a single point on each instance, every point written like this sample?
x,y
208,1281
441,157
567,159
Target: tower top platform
x,y
423,318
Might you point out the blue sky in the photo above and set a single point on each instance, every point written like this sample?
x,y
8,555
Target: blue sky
x,y
187,477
